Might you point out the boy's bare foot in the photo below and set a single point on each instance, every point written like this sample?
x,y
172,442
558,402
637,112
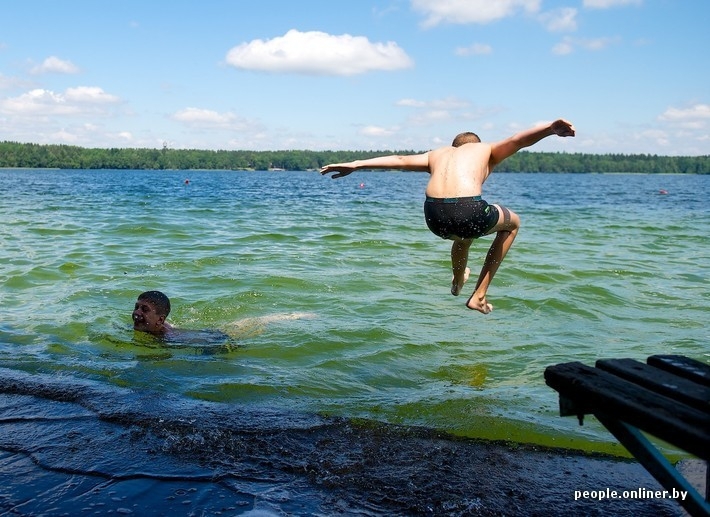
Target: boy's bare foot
x,y
455,287
479,304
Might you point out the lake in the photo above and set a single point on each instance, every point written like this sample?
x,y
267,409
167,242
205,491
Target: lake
x,y
604,266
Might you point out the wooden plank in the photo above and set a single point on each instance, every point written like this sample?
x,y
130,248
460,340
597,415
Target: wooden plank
x,y
598,391
660,381
683,366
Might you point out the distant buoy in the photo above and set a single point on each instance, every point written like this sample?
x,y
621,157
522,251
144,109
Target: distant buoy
x,y
362,185
663,192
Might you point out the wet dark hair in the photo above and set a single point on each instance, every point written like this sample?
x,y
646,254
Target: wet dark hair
x,y
465,138
161,302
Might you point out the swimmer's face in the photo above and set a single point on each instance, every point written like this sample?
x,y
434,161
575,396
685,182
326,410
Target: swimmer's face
x,y
146,318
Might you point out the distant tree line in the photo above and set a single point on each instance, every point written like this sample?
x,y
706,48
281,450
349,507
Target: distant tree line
x,y
23,155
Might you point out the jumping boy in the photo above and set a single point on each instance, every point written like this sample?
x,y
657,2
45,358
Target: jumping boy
x,y
454,208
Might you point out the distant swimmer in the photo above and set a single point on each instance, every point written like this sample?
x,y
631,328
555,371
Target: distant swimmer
x,y
152,308
453,208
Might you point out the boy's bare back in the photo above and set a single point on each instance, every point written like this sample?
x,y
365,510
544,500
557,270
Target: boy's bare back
x,y
458,171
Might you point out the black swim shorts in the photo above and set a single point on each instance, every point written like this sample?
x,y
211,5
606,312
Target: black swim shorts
x,y
462,217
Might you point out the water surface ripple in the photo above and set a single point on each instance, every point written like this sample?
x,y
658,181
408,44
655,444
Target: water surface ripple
x,y
604,266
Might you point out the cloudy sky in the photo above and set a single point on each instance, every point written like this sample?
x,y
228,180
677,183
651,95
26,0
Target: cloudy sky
x,y
632,75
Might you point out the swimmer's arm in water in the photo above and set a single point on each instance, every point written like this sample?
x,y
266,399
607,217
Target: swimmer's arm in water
x,y
412,162
248,327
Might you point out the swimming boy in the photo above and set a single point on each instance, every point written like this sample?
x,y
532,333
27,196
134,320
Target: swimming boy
x,y
150,312
454,208
152,309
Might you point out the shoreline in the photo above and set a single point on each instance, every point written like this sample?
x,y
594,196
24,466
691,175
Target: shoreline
x,y
69,444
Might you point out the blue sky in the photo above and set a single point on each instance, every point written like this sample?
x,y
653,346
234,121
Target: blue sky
x,y
632,75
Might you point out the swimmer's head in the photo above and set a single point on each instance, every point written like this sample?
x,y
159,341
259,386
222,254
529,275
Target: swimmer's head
x,y
465,138
150,312
160,300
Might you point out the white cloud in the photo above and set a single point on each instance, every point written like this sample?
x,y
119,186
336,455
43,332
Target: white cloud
x,y
64,136
597,43
74,101
209,119
431,116
377,131
439,104
568,44
201,117
693,118
471,11
606,4
477,49
89,95
41,101
318,53
438,110
692,113
55,65
564,47
443,110
411,103
560,20
658,139
450,103
10,83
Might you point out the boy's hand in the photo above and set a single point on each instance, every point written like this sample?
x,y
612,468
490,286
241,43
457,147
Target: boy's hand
x,y
342,170
562,127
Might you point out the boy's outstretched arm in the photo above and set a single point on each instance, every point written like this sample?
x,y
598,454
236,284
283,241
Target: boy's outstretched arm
x,y
508,147
410,162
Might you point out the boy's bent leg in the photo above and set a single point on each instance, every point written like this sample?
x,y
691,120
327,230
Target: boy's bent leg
x,y
459,260
506,231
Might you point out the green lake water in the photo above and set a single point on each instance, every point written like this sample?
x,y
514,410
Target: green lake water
x,y
604,266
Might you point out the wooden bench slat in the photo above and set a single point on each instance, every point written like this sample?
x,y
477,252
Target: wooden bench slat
x,y
597,391
682,366
660,381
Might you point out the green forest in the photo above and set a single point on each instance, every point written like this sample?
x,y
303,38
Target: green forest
x,y
23,155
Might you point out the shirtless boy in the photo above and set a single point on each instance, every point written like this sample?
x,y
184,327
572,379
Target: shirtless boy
x,y
454,208
152,308
150,312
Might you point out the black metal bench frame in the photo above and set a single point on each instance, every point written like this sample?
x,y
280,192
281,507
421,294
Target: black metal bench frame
x,y
667,397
